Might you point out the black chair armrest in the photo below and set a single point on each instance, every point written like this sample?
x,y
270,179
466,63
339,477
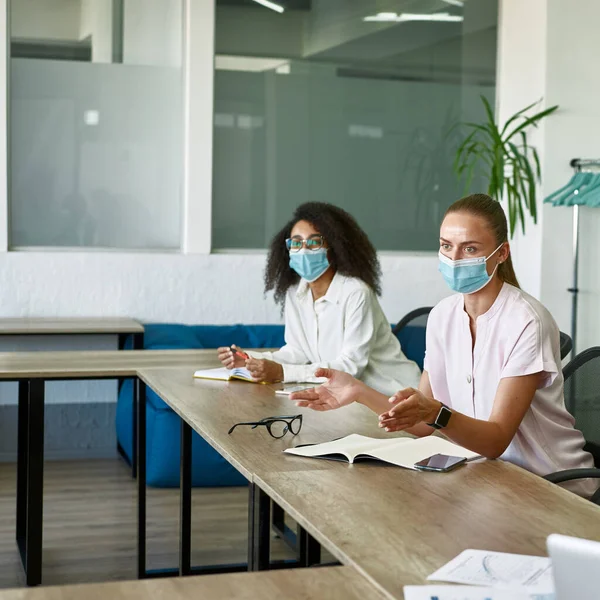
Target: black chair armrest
x,y
570,474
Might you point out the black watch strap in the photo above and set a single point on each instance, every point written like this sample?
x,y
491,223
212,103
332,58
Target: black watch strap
x,y
442,418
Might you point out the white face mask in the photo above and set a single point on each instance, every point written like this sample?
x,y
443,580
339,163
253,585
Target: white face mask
x,y
466,275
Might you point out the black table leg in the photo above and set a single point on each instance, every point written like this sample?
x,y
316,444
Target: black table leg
x,y
138,344
309,549
140,451
30,478
22,460
185,479
121,339
138,341
278,518
259,529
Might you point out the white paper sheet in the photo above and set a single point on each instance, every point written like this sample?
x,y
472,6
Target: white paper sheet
x,y
497,569
467,592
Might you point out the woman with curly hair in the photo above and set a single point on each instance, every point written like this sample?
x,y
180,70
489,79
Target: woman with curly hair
x,y
324,271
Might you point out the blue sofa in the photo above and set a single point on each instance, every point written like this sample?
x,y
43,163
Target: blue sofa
x,y
163,425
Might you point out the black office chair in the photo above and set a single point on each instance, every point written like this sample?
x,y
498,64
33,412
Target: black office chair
x,y
416,318
582,399
566,345
410,331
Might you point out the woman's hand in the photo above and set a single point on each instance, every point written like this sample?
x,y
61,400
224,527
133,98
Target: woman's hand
x,y
411,408
339,390
265,370
229,359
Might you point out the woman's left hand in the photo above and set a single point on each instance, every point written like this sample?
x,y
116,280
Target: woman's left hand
x,y
411,407
265,370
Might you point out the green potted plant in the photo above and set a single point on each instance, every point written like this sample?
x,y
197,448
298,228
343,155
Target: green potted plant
x,y
508,162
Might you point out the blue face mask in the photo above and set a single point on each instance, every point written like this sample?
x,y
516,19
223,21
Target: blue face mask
x,y
309,264
468,275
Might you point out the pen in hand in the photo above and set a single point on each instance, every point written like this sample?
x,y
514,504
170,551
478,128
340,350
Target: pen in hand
x,y
239,352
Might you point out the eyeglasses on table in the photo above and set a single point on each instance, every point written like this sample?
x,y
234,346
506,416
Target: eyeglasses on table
x,y
276,426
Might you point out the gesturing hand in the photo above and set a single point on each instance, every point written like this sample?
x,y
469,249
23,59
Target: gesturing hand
x,y
264,370
229,359
411,407
339,390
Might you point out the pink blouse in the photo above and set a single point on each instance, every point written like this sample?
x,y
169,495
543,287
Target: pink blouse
x,y
516,336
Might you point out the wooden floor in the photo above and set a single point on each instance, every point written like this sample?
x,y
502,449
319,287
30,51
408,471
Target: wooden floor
x,y
90,524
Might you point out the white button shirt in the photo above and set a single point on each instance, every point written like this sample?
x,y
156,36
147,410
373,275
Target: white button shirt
x,y
345,330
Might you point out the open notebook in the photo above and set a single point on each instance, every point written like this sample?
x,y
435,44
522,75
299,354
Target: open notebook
x,y
403,452
224,374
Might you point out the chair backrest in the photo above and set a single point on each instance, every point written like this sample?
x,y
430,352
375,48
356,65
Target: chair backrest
x,y
582,396
566,345
410,331
415,318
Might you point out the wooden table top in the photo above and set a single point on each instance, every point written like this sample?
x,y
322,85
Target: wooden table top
x,y
337,583
212,407
98,363
398,526
68,326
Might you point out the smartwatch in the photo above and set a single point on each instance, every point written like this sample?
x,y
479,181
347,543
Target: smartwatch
x,y
442,419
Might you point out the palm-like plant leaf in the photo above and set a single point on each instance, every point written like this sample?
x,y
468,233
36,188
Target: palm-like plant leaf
x,y
510,172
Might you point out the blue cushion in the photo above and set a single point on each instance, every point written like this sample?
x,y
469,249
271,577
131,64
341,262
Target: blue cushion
x,y
170,336
163,431
245,336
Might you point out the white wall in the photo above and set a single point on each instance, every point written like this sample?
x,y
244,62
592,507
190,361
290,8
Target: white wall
x,y
573,45
217,288
522,32
152,32
45,19
96,21
560,44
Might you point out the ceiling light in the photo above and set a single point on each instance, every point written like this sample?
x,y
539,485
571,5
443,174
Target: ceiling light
x,y
393,17
383,17
455,2
443,17
276,7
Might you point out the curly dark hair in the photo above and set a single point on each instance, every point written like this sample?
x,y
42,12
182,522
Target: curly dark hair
x,y
351,252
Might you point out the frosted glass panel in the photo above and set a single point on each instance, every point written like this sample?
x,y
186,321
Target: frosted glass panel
x,y
95,155
96,117
318,104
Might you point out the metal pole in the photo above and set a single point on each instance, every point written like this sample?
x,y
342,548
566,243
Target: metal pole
x,y
574,290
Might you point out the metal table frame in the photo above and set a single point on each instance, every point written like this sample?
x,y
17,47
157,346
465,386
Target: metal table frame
x,y
259,515
30,497
30,458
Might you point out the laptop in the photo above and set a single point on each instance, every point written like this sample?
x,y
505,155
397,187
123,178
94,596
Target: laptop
x,y
576,567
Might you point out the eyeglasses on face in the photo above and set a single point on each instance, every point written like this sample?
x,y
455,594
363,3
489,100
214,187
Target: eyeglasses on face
x,y
312,242
276,426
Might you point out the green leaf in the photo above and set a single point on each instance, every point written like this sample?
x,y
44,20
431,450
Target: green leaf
x,y
517,115
533,120
486,147
499,167
512,208
538,167
470,174
461,149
